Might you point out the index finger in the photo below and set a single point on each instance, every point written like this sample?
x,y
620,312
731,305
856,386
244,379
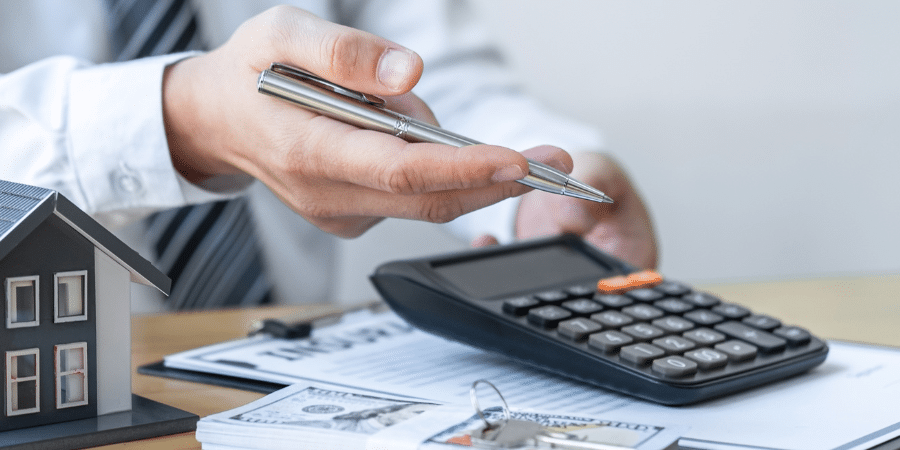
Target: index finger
x,y
387,163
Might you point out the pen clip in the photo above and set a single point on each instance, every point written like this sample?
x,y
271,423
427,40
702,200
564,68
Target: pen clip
x,y
307,77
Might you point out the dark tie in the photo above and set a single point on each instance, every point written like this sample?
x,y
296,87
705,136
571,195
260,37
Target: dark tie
x,y
210,251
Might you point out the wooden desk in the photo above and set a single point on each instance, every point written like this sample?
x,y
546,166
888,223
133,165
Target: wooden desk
x,y
861,309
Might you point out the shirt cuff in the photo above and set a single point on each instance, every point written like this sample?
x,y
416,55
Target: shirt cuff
x,y
118,144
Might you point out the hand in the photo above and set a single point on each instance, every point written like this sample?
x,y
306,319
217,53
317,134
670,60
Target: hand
x,y
622,229
340,178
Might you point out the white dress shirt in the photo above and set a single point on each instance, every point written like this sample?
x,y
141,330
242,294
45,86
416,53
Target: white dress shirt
x,y
94,132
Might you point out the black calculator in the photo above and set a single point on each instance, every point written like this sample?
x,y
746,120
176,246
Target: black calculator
x,y
563,306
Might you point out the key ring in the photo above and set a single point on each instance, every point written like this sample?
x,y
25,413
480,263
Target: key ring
x,y
473,395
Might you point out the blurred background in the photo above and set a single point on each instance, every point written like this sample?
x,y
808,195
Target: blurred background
x,y
764,136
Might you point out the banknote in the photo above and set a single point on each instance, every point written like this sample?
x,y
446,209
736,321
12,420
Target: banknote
x,y
314,407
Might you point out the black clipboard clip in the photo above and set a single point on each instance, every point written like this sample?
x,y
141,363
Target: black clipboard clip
x,y
296,327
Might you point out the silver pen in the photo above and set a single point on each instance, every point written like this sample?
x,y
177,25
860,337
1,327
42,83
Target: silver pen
x,y
367,111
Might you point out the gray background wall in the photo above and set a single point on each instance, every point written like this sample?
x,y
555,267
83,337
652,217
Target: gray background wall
x,y
765,135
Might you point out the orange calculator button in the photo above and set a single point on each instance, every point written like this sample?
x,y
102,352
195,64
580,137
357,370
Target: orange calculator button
x,y
613,285
621,283
644,279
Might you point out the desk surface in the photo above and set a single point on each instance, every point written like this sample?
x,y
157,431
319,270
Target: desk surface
x,y
860,309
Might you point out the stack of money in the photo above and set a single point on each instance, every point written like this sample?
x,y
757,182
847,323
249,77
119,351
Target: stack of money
x,y
327,417
306,416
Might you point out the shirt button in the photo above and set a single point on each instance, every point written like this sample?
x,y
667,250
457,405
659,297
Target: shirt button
x,y
130,184
128,180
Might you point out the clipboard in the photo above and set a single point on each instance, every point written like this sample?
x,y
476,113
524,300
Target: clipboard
x,y
284,327
159,369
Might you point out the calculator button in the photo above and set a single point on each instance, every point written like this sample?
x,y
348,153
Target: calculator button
x,y
582,291
609,341
707,358
702,299
673,306
645,295
548,316
579,328
737,350
766,342
519,306
552,297
643,312
644,279
612,319
795,336
674,344
613,285
703,317
674,366
673,324
643,331
762,322
673,288
613,301
583,307
641,353
731,311
704,336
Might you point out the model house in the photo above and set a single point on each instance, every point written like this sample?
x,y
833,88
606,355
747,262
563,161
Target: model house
x,y
65,332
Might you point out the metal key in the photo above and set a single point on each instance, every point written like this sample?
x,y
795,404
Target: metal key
x,y
515,434
566,441
510,433
524,434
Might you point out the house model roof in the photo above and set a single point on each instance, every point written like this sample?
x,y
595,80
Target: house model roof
x,y
23,208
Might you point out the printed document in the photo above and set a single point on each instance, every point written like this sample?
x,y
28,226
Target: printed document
x,y
848,402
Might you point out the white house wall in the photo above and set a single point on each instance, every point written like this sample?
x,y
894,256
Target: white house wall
x,y
113,300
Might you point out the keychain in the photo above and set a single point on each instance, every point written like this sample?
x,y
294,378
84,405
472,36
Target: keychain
x,y
510,433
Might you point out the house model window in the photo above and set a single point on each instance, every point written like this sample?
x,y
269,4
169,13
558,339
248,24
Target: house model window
x,y
22,382
71,375
71,293
22,305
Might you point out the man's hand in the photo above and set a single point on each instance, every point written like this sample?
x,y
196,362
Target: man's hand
x,y
622,229
340,178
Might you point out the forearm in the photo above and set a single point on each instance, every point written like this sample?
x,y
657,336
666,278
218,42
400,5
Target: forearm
x,y
92,132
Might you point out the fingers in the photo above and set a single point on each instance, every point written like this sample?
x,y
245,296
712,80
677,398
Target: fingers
x,y
350,57
410,105
434,204
573,215
379,161
485,240
552,156
581,216
623,228
344,218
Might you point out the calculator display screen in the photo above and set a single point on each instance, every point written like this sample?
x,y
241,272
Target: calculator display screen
x,y
522,271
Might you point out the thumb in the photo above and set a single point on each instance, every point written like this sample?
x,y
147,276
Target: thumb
x,y
352,58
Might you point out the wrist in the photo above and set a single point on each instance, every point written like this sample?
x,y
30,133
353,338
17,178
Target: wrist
x,y
188,137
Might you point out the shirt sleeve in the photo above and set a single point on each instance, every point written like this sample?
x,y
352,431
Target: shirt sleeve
x,y
471,90
93,132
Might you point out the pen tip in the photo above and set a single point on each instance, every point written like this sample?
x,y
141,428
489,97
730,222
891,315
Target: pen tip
x,y
584,191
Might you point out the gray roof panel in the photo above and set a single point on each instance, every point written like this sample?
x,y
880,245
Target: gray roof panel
x,y
23,208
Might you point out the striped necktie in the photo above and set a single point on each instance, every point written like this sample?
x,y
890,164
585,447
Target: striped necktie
x,y
210,251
